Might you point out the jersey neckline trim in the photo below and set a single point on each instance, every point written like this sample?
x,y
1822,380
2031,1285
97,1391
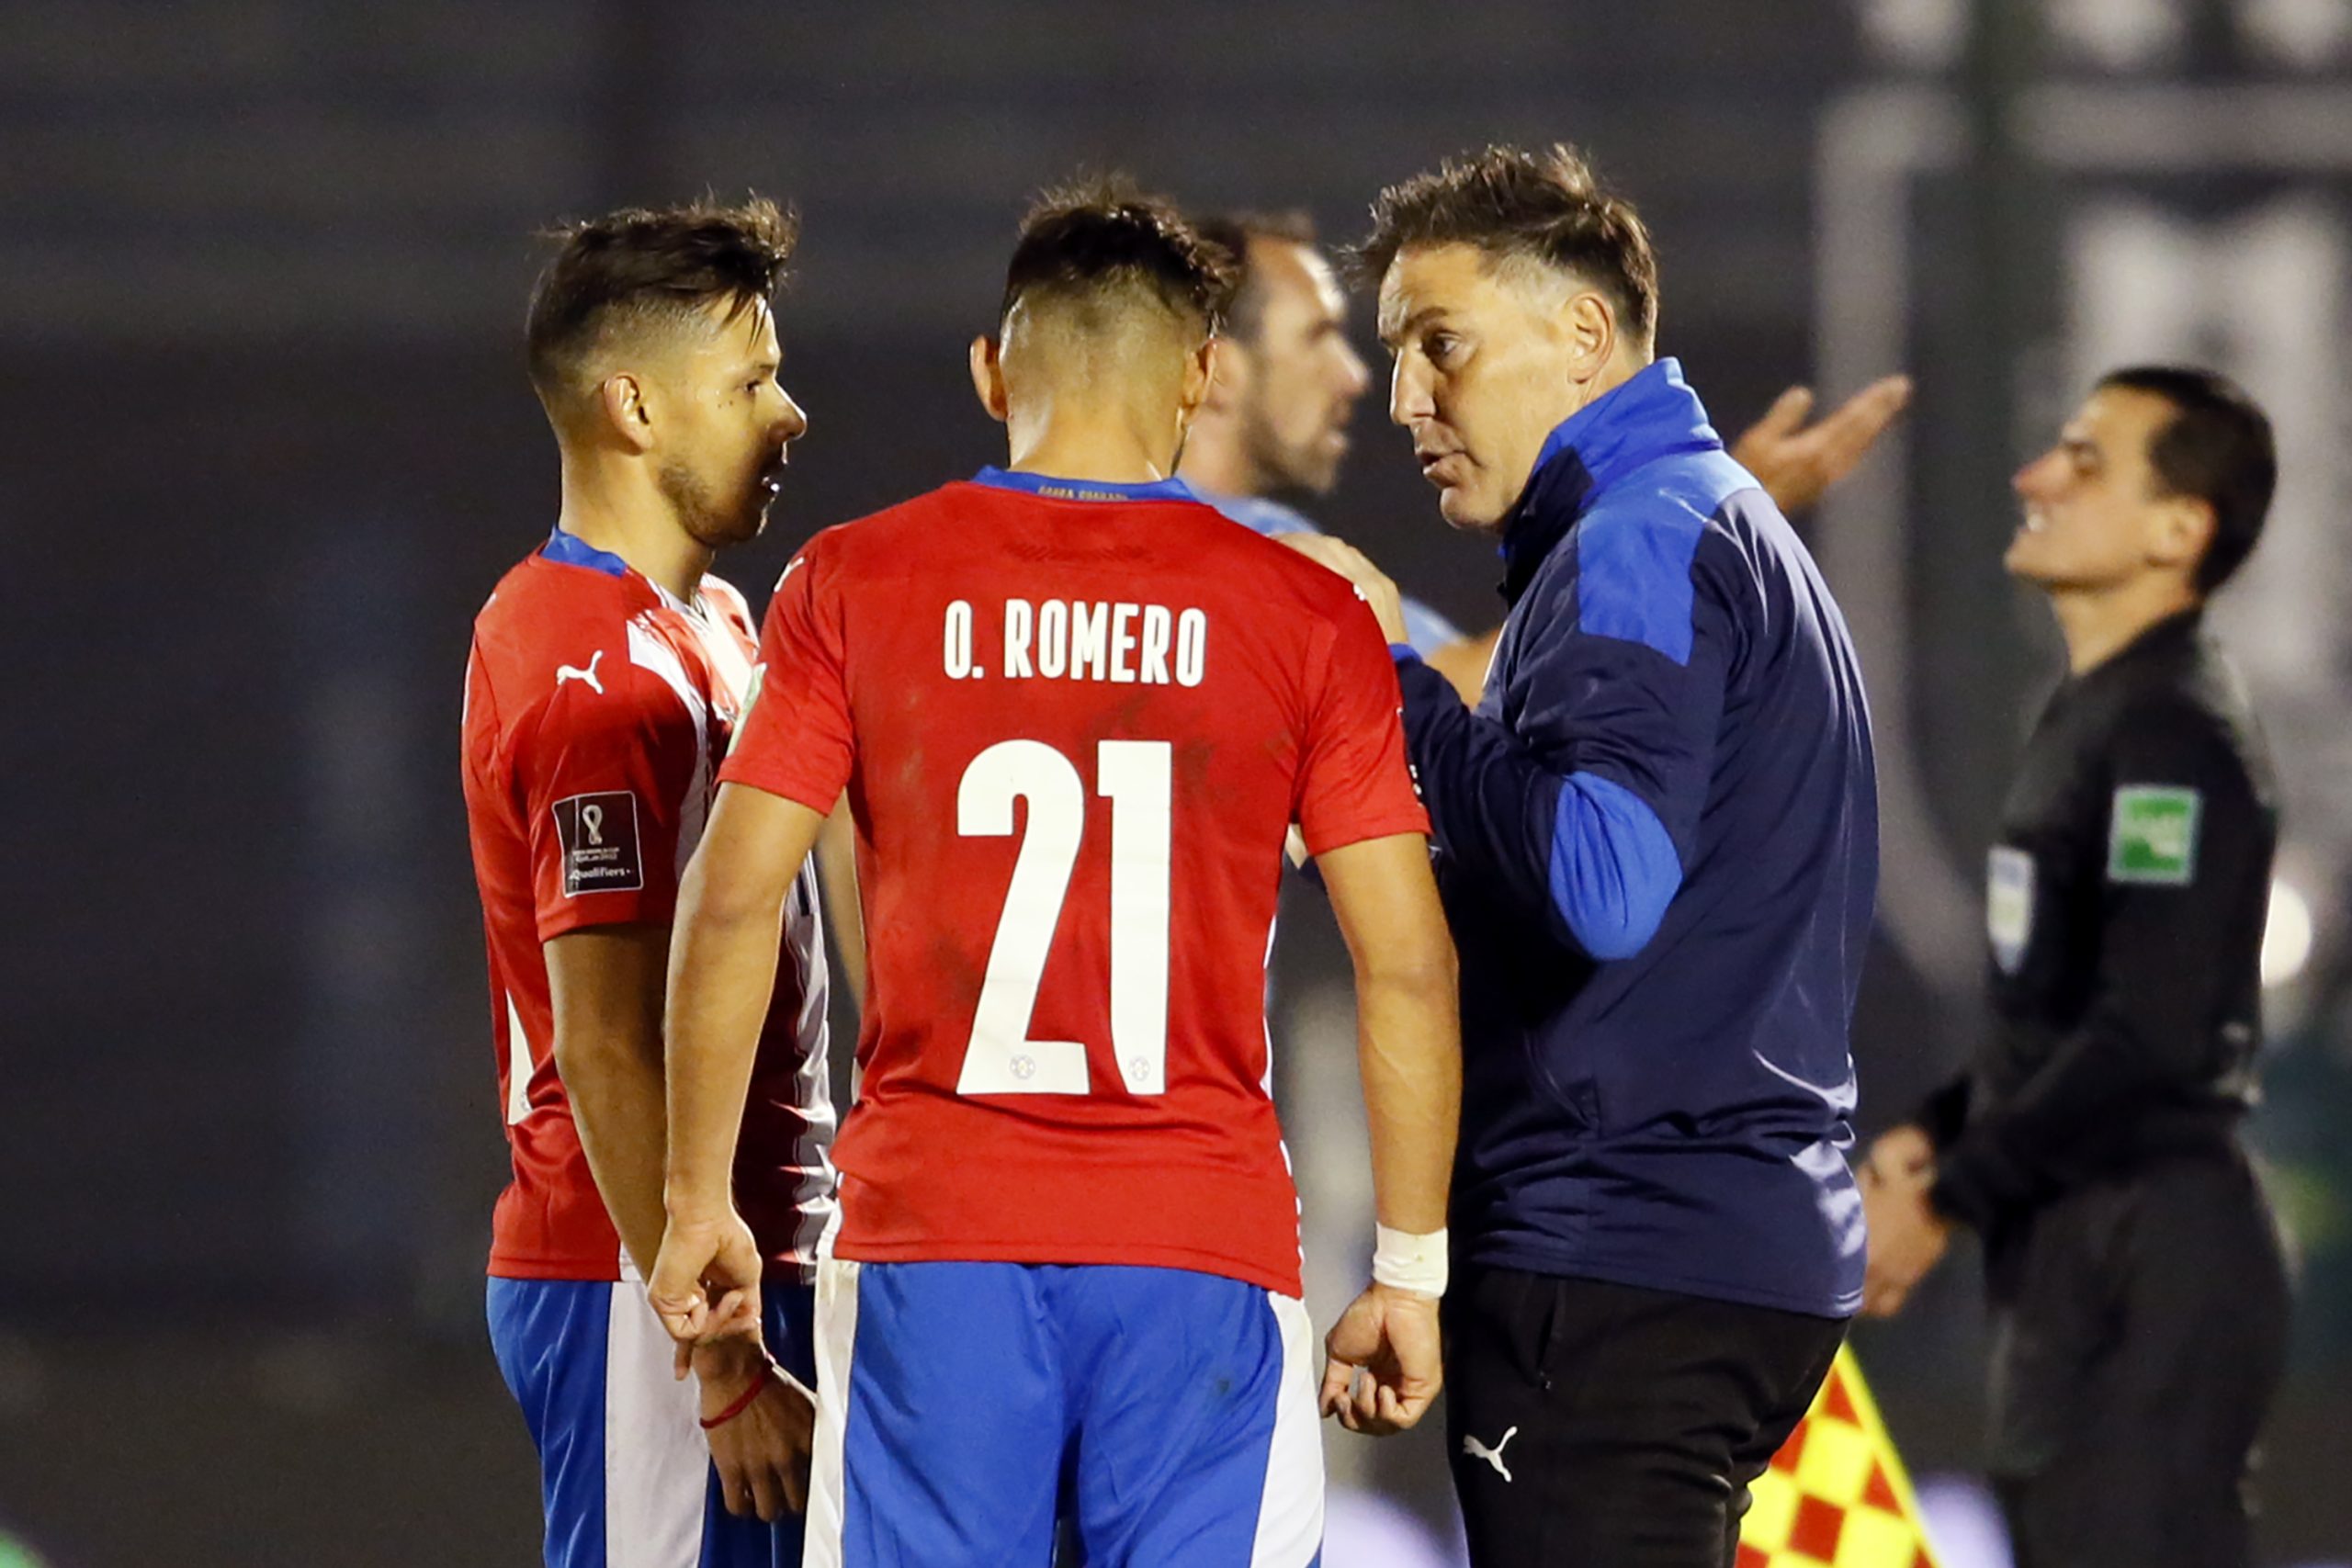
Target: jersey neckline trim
x,y
1056,488
570,549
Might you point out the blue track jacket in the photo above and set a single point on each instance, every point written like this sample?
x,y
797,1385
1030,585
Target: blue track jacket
x,y
1657,841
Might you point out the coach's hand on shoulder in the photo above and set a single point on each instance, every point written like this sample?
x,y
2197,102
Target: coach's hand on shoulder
x,y
1372,585
1382,1368
1797,463
706,1281
762,1422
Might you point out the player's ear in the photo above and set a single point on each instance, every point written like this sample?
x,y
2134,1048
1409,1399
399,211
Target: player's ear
x,y
988,376
1200,376
622,399
1229,373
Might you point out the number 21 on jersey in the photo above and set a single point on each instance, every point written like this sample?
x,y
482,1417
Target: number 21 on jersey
x,y
1134,776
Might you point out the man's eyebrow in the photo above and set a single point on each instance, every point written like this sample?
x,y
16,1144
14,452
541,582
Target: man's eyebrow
x,y
1404,329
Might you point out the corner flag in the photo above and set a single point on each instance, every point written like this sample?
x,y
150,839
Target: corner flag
x,y
1836,1496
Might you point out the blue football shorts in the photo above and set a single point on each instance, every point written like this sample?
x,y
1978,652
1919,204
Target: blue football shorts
x,y
625,1472
962,1408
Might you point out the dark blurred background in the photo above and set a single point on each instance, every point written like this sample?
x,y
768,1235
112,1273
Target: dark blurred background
x,y
267,443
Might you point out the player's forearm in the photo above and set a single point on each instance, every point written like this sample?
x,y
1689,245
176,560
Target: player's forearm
x,y
1408,1049
613,1080
1408,1030
604,983
722,971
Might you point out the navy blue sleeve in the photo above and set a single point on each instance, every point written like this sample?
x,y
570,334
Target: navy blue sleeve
x,y
1584,810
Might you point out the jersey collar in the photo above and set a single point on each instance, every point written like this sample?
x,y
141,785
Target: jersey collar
x,y
1054,489
570,549
2171,635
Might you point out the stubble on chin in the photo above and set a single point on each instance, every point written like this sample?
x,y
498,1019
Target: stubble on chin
x,y
707,523
748,523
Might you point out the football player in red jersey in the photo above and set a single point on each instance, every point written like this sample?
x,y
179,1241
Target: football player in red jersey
x,y
608,672
1074,711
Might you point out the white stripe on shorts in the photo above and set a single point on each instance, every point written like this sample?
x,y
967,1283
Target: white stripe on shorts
x,y
1290,1513
656,1463
836,1335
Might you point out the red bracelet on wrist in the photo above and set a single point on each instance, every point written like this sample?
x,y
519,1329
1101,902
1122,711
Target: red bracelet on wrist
x,y
742,1403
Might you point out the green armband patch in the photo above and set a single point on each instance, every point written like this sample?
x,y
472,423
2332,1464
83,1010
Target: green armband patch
x,y
2152,836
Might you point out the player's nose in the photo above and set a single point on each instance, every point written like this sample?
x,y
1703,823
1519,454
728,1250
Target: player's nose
x,y
795,422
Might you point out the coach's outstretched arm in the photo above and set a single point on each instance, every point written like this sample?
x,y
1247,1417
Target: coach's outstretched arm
x,y
1383,1366
723,970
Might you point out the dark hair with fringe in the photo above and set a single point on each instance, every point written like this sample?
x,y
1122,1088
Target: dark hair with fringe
x,y
1549,206
1106,236
643,267
2218,448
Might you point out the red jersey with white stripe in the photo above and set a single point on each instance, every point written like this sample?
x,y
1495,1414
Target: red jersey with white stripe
x,y
1074,721
598,709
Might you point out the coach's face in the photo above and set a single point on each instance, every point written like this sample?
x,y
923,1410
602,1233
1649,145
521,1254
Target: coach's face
x,y
1489,358
728,419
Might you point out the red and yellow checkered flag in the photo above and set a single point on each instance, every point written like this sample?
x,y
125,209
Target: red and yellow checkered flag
x,y
1836,1496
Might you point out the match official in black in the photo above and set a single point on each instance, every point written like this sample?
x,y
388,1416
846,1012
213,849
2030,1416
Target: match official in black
x,y
2139,1294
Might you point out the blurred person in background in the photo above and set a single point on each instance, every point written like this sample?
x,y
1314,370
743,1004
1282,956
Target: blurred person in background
x,y
1657,845
2136,1275
1274,429
1078,711
608,673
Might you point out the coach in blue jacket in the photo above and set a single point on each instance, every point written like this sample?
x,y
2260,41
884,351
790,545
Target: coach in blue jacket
x,y
1657,843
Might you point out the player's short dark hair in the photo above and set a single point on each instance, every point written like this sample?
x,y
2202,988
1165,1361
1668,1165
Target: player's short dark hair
x,y
2218,448
643,266
1104,237
1234,233
1547,205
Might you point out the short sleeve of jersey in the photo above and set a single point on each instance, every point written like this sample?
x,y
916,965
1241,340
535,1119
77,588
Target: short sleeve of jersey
x,y
795,740
1354,783
602,780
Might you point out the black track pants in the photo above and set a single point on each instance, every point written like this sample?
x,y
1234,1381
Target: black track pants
x,y
1598,1425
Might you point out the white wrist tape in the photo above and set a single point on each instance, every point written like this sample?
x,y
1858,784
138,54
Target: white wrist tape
x,y
1402,1261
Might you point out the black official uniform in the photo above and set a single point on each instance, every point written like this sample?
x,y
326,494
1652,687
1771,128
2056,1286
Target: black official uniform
x,y
2138,1290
